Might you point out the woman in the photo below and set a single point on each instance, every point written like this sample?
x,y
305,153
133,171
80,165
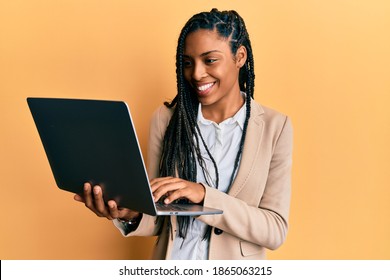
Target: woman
x,y
213,145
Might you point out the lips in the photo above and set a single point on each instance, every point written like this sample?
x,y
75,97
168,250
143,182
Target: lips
x,y
203,89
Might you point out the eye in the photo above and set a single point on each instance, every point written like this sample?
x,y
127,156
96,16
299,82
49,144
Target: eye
x,y
187,63
210,60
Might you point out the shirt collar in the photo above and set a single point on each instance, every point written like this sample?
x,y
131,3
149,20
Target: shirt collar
x,y
238,118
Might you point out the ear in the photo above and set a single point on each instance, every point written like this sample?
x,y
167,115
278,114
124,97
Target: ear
x,y
241,56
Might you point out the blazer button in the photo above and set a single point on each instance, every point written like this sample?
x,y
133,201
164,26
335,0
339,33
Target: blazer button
x,y
218,231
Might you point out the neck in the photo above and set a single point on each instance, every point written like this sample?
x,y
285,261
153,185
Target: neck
x,y
224,109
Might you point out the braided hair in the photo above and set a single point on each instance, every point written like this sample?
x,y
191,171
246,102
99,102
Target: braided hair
x,y
181,144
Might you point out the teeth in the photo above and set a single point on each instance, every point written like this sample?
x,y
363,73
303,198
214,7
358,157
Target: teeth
x,y
205,87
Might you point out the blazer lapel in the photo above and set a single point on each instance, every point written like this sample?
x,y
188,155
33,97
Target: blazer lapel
x,y
251,148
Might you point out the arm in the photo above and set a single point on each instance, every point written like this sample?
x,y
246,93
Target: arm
x,y
263,222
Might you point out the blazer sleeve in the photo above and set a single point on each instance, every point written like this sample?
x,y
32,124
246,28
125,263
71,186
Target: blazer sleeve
x,y
264,224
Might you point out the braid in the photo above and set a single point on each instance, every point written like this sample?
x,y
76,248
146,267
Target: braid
x,y
246,81
182,140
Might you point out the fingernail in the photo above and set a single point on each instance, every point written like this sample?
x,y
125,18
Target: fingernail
x,y
96,190
86,187
166,201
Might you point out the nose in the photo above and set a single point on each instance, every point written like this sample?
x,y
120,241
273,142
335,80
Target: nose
x,y
198,72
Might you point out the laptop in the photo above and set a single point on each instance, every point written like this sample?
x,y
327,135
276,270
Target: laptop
x,y
95,141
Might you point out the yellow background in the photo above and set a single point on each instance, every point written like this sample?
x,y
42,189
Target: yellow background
x,y
324,63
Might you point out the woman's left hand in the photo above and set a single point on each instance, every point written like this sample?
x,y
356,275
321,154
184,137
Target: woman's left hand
x,y
175,188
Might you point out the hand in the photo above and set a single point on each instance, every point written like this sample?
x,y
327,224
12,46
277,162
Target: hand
x,y
93,200
175,188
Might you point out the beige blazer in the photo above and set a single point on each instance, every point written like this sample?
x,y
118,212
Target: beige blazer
x,y
256,209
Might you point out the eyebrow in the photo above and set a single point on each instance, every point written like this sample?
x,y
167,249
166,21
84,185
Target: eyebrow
x,y
204,54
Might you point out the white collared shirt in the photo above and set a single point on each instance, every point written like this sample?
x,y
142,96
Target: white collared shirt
x,y
223,142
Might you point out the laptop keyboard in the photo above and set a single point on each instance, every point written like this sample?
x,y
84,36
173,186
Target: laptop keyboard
x,y
171,207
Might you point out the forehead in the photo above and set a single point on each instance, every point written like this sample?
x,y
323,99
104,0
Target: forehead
x,y
202,41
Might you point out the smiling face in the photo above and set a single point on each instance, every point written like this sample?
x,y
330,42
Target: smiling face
x,y
212,70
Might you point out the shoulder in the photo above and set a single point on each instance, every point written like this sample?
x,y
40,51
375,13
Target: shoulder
x,y
162,115
267,115
275,126
272,123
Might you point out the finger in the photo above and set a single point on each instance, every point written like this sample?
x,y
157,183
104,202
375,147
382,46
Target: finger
x,y
101,208
167,189
99,202
161,191
180,193
157,182
193,192
159,179
113,209
78,198
88,197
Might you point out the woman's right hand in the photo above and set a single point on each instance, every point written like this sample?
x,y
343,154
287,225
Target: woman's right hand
x,y
93,200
